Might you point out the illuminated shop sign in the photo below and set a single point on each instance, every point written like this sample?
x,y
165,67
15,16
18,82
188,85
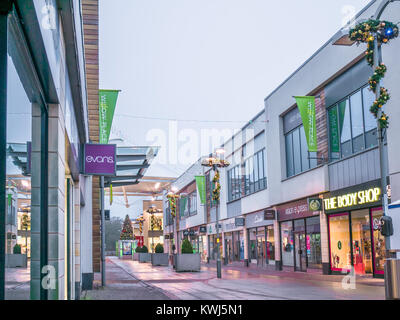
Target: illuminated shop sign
x,y
356,199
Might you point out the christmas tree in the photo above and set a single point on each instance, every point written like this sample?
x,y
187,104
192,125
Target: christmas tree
x,y
127,230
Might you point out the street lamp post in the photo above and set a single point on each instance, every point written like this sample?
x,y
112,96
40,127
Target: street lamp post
x,y
215,163
344,39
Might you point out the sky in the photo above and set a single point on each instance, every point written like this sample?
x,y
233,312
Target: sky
x,y
208,64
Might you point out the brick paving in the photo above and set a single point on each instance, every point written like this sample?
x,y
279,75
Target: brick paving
x,y
242,283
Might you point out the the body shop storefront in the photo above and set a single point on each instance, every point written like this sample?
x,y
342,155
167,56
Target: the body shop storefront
x,y
353,226
300,234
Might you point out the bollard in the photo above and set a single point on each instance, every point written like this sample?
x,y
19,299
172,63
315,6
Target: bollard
x,y
392,276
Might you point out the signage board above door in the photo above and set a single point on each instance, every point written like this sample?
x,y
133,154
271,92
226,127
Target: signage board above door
x,y
100,159
358,197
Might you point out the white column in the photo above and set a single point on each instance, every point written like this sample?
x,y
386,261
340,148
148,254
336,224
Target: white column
x,y
277,241
77,240
86,247
35,202
56,196
246,244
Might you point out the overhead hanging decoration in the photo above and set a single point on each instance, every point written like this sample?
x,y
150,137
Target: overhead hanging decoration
x,y
365,33
172,201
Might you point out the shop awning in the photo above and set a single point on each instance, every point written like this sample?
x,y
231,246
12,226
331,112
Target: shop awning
x,y
132,163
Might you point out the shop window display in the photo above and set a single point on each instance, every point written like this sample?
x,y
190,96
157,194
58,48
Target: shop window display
x,y
361,238
378,241
313,242
340,242
270,244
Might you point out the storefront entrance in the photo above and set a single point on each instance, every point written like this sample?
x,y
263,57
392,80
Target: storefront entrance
x,y
228,247
261,250
300,247
300,231
356,242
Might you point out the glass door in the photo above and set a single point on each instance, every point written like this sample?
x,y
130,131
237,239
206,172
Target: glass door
x,y
361,241
300,250
378,242
261,248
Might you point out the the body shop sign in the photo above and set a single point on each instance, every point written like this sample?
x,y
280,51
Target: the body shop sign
x,y
100,159
358,197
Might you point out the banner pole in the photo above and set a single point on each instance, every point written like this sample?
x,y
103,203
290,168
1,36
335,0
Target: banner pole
x,y
103,234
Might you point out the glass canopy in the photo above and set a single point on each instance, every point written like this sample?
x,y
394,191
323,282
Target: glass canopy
x,y
132,163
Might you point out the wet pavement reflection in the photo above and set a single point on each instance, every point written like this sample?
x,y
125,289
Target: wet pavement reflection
x,y
249,284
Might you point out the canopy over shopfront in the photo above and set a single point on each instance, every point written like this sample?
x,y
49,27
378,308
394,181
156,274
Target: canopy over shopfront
x,y
132,163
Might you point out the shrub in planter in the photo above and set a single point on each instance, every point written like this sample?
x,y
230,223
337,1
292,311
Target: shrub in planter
x,y
159,248
186,247
187,261
145,249
17,249
159,258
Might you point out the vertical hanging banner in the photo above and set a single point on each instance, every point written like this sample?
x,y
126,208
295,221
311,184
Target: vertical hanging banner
x,y
306,107
182,206
201,188
107,104
334,136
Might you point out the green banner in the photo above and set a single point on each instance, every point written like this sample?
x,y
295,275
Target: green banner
x,y
334,139
306,107
201,188
182,206
107,103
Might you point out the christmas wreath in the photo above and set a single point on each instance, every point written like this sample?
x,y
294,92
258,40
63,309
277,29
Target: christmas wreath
x,y
365,32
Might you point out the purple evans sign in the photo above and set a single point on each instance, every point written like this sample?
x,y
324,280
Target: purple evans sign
x,y
100,159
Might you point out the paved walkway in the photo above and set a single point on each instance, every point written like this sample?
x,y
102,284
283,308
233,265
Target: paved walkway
x,y
122,285
18,283
239,283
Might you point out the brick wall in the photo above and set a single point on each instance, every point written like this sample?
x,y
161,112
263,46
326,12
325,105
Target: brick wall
x,y
90,11
322,128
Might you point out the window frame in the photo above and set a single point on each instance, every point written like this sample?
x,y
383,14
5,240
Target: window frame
x,y
336,105
290,135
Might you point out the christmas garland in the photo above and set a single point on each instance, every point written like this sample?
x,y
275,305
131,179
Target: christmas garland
x,y
172,200
366,33
217,187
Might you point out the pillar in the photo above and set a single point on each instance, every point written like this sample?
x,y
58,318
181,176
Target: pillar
x,y
324,243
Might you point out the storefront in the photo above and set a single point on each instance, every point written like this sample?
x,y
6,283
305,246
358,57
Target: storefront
x,y
212,241
300,233
198,238
261,237
355,240
233,239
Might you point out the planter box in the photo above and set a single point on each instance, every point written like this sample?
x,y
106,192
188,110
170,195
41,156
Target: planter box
x,y
159,259
135,257
187,262
144,257
16,261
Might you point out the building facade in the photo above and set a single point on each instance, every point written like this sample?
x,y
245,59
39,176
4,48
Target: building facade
x,y
43,94
265,214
